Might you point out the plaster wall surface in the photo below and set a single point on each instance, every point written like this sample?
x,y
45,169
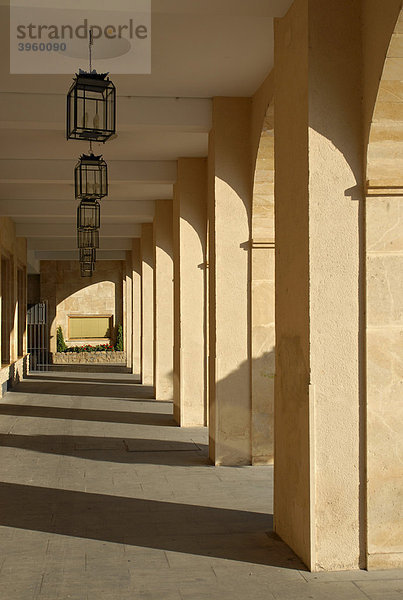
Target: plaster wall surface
x,y
163,300
189,280
230,202
69,294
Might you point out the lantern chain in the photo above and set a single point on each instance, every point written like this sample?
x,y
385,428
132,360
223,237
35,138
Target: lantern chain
x,y
90,44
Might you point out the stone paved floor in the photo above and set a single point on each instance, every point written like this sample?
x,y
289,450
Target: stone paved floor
x,y
102,498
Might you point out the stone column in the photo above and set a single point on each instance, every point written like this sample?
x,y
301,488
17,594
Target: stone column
x,y
229,213
163,300
14,310
190,231
319,475
2,300
128,309
48,283
263,298
23,310
147,305
136,307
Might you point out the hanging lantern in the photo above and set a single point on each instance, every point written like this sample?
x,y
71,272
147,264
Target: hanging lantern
x,y
91,177
91,107
88,214
87,255
87,265
86,269
88,238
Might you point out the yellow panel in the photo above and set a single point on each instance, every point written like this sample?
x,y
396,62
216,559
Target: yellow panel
x,y
89,327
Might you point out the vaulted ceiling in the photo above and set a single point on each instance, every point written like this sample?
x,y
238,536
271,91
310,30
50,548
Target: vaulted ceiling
x,y
200,49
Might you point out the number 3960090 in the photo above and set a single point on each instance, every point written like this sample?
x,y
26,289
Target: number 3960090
x,y
41,47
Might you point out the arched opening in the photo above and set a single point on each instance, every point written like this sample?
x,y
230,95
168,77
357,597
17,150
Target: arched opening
x,y
262,301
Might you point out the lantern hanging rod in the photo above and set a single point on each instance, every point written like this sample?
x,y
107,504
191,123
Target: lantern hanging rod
x,y
90,44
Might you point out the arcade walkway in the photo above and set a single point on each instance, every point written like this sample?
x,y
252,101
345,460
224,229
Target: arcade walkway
x,y
103,498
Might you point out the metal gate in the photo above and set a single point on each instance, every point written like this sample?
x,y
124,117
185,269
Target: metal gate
x,y
38,338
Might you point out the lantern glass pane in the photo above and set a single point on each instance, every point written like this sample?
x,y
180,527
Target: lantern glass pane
x,y
92,180
110,105
70,107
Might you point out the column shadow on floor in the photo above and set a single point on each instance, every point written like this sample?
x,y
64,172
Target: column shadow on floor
x,y
191,529
109,449
75,379
99,389
89,415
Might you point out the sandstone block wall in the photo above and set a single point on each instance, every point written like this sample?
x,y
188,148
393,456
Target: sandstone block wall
x,y
84,358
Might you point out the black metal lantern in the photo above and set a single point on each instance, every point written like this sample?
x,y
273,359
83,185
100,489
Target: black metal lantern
x,y
88,238
88,214
87,265
91,107
91,104
91,177
88,255
86,269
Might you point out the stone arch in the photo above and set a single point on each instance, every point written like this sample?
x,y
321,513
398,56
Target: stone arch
x,y
384,168
384,307
262,301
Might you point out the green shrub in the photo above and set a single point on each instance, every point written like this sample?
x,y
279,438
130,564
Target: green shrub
x,y
90,348
61,345
119,339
